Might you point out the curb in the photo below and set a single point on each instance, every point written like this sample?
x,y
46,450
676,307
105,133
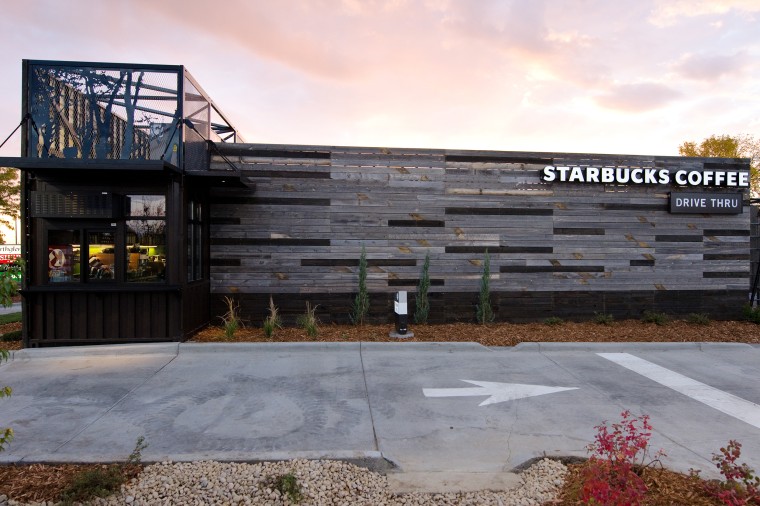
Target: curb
x,y
632,346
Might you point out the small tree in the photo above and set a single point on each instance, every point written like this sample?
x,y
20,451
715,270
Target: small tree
x,y
360,307
422,307
484,311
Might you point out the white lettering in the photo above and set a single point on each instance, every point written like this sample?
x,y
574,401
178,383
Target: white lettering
x,y
636,176
731,179
664,176
694,178
690,202
719,178
608,174
707,177
592,175
576,175
681,177
548,174
563,173
744,179
621,175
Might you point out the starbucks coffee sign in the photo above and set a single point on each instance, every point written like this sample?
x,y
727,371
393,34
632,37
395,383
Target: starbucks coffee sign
x,y
628,175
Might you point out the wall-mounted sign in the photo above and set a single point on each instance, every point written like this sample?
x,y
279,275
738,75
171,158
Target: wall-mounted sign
x,y
9,253
638,175
707,203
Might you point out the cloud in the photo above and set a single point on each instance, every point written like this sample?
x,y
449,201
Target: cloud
x,y
669,12
710,68
639,97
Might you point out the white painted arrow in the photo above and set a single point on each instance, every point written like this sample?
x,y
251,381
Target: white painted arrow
x,y
497,392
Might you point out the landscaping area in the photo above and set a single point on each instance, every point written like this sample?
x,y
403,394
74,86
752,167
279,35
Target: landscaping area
x,y
621,469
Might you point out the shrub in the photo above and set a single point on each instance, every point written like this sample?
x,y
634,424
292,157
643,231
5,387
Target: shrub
x,y
554,320
751,314
360,307
6,435
309,320
13,335
103,480
287,485
8,285
611,475
273,320
654,317
422,306
231,319
741,486
698,319
603,318
484,311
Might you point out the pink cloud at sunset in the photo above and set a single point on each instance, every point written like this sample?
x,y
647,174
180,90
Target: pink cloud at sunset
x,y
627,76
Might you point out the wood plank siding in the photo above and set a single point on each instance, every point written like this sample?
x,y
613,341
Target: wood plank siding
x,y
556,249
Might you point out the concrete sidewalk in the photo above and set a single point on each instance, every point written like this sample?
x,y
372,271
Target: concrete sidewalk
x,y
13,308
417,406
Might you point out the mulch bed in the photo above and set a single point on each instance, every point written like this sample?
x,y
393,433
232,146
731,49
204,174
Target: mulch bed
x,y
508,334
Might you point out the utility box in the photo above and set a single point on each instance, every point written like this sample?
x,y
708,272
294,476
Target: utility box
x,y
400,308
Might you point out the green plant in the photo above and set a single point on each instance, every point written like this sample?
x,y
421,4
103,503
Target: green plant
x,y
611,476
287,485
741,486
309,320
484,311
554,320
751,314
422,303
8,283
103,480
654,317
360,307
231,318
13,335
135,458
698,319
273,320
603,318
6,435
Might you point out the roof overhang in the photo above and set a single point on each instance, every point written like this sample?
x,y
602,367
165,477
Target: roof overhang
x,y
76,165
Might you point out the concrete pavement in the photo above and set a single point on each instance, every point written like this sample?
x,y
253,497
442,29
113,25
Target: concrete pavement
x,y
424,407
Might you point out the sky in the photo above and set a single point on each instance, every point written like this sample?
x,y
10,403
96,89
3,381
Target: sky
x,y
596,76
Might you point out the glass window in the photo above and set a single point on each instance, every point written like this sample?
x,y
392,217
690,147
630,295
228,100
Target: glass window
x,y
146,250
194,241
101,260
132,250
147,205
146,239
63,256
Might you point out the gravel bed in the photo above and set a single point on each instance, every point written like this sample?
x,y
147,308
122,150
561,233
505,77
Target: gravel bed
x,y
321,482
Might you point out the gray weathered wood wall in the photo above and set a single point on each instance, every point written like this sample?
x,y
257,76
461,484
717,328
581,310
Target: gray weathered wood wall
x,y
295,232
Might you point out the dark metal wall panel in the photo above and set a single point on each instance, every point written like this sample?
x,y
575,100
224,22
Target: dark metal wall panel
x,y
100,317
297,232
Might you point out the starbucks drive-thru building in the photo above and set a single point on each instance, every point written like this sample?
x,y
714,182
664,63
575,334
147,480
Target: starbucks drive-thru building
x,y
143,209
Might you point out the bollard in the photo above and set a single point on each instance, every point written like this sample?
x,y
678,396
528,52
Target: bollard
x,y
400,310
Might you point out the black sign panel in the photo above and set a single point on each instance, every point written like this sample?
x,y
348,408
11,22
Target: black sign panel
x,y
706,203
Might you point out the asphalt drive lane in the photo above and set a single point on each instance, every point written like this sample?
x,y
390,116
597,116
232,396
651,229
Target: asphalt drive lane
x,y
457,407
456,433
